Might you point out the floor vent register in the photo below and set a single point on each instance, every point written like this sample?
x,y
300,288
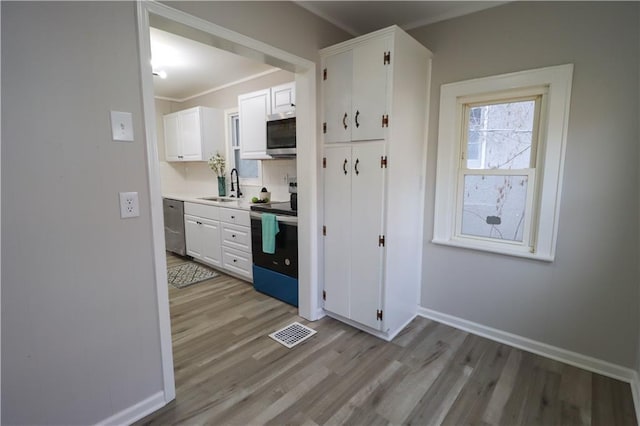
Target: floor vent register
x,y
292,334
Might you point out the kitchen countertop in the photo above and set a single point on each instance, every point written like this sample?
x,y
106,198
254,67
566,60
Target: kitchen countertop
x,y
242,204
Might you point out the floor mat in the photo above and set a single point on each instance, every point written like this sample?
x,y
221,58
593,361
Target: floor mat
x,y
188,273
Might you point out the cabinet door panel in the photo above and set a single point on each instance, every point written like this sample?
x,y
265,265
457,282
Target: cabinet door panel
x,y
337,97
283,98
171,142
211,252
366,227
369,89
253,109
337,242
191,135
192,237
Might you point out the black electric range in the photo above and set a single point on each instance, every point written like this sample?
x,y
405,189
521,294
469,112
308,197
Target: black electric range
x,y
276,273
283,208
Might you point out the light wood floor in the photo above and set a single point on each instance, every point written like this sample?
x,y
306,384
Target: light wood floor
x,y
229,372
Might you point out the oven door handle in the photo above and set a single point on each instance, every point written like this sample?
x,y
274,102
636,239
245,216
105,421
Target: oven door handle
x,y
289,220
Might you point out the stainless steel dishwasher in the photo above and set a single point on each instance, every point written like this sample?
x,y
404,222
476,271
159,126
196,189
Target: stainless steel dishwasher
x,y
174,226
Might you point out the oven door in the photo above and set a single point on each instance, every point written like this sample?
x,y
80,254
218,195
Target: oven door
x,y
285,258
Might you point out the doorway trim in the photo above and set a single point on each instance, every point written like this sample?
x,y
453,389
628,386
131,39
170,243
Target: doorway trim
x,y
307,167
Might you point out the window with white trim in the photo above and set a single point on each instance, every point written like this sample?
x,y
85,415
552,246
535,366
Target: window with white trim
x,y
248,170
500,155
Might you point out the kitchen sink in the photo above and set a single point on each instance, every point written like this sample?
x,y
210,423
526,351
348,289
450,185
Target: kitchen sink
x,y
218,199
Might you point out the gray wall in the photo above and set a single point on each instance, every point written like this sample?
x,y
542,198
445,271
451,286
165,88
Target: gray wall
x,y
587,300
80,335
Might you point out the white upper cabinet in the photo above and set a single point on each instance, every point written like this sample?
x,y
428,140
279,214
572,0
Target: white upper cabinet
x,y
283,98
253,109
355,92
194,134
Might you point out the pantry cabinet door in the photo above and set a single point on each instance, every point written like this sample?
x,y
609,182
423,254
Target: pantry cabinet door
x,y
366,224
370,76
337,97
337,241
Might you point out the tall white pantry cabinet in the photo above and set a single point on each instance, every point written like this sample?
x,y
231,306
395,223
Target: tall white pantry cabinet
x,y
375,107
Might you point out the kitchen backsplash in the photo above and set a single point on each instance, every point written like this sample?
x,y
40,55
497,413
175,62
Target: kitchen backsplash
x,y
197,178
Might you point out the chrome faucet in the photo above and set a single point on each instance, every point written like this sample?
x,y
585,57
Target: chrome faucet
x,y
238,193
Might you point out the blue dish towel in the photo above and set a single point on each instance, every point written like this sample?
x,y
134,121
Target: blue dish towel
x,y
269,230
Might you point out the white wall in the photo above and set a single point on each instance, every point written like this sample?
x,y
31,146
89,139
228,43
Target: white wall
x,y
80,337
587,300
196,177
79,311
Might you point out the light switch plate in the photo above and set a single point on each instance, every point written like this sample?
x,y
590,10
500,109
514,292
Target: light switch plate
x,y
122,126
129,206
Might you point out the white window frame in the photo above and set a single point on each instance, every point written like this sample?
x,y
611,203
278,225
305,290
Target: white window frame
x,y
228,114
540,241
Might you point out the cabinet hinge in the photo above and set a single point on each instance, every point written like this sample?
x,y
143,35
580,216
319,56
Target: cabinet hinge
x,y
380,240
324,127
324,74
385,120
383,162
324,295
324,162
387,58
324,230
379,315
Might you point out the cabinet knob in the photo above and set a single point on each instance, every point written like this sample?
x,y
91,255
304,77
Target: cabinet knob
x,y
233,217
233,235
235,260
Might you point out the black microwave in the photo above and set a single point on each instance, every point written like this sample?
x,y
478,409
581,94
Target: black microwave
x,y
281,134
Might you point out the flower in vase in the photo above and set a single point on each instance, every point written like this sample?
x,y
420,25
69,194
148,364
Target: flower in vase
x,y
217,163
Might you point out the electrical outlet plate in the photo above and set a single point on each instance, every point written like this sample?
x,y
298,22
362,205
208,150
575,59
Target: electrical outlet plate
x,y
129,206
122,126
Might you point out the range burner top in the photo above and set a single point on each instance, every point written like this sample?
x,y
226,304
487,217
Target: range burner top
x,y
283,208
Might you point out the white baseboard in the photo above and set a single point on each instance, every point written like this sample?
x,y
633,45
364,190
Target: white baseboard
x,y
137,411
573,358
635,392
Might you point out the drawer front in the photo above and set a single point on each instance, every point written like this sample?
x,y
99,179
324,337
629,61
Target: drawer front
x,y
202,210
237,261
237,237
238,217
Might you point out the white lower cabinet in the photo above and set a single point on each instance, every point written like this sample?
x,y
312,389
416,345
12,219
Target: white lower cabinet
x,y
219,237
203,239
237,261
236,242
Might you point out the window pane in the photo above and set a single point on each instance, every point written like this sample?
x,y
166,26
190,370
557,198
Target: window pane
x,y
235,133
494,206
246,168
500,135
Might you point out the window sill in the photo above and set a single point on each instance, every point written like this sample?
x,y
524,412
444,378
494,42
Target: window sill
x,y
493,249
